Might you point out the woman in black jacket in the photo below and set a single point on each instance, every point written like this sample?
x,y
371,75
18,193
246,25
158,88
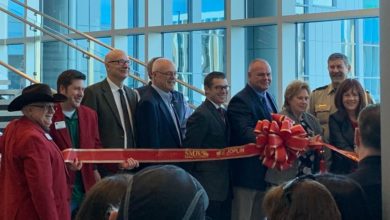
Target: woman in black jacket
x,y
349,101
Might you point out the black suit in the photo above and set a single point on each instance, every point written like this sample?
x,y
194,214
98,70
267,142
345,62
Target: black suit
x,y
368,175
244,110
155,125
207,129
341,135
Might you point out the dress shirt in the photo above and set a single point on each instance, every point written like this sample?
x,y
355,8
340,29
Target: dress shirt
x,y
115,93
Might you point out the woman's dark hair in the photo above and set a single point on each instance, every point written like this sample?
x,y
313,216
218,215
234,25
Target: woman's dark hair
x,y
348,194
346,85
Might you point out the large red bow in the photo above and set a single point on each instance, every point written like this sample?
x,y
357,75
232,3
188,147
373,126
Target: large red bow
x,y
281,142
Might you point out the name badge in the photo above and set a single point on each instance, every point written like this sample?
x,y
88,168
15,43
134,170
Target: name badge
x,y
59,125
48,137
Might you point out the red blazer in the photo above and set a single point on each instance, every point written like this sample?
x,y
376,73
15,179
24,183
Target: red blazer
x,y
33,175
88,136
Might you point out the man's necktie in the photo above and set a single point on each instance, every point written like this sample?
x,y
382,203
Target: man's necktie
x,y
267,113
129,129
176,119
221,112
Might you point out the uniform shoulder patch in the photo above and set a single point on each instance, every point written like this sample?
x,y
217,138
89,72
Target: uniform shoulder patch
x,y
321,88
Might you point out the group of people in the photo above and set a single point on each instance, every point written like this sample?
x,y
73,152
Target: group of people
x,y
36,184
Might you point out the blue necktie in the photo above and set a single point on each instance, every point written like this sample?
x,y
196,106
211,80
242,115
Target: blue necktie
x,y
267,113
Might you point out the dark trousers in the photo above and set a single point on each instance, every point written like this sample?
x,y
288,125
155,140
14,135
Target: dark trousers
x,y
219,210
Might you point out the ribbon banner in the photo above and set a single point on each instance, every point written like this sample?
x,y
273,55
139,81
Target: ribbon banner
x,y
278,144
159,155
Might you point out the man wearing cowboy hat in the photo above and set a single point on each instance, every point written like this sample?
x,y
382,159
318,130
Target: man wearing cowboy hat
x,y
33,173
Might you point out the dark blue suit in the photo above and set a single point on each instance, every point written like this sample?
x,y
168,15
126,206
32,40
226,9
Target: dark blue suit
x,y
182,109
155,123
244,110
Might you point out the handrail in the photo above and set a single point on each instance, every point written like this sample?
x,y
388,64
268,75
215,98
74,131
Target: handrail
x,y
20,73
74,30
89,38
51,34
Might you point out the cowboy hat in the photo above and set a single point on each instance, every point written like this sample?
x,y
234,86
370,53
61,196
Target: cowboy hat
x,y
35,93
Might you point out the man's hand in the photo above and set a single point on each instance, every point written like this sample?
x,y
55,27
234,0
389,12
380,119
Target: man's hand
x,y
129,164
75,165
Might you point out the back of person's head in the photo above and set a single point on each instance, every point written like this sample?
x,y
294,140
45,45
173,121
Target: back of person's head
x,y
102,197
163,192
370,126
301,198
348,194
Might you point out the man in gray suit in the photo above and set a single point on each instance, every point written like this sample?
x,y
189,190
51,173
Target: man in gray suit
x,y
115,105
208,127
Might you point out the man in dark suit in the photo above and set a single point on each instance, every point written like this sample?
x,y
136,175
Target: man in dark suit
x,y
156,119
115,105
208,127
368,147
251,104
181,106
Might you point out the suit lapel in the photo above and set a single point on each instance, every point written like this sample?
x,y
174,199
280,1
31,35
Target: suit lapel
x,y
167,115
215,113
257,104
107,93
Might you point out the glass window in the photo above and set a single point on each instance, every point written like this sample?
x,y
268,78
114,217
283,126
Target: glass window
x,y
263,8
212,10
194,62
262,43
319,6
136,15
175,12
99,70
15,27
16,59
89,15
136,49
358,39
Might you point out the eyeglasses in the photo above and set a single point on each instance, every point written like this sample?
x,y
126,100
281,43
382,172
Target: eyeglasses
x,y
289,186
46,107
169,73
120,62
220,88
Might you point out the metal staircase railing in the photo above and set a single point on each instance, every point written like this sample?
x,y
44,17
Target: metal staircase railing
x,y
191,87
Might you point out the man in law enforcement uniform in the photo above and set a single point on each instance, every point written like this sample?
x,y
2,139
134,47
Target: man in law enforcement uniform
x,y
322,98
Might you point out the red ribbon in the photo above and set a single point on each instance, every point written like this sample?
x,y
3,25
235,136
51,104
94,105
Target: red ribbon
x,y
159,155
281,142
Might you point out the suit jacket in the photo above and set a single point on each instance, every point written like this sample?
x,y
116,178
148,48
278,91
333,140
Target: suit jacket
x,y
155,126
99,97
179,103
206,129
33,175
341,135
88,139
244,110
368,175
